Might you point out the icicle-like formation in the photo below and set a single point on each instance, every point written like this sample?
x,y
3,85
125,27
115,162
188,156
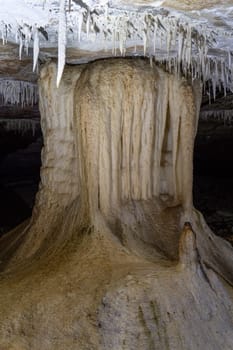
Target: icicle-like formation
x,y
18,92
61,40
20,125
36,49
225,116
183,46
23,37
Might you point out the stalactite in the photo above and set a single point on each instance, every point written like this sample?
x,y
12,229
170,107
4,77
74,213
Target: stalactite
x,y
61,40
150,29
20,125
225,115
36,48
170,38
18,92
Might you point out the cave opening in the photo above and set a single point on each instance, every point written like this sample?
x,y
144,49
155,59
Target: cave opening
x,y
213,164
20,160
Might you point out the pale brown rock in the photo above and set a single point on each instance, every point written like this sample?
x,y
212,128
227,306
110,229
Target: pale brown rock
x,y
100,265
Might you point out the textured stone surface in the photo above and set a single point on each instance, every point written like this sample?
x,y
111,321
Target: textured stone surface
x,y
103,263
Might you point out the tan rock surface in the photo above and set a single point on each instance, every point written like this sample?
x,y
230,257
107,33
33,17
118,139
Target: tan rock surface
x,y
102,264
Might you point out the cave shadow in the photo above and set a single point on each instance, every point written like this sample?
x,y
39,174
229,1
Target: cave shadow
x,y
213,175
20,161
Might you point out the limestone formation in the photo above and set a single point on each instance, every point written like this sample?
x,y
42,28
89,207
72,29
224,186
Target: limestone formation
x,y
115,256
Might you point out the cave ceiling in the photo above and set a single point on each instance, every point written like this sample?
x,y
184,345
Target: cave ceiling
x,y
197,35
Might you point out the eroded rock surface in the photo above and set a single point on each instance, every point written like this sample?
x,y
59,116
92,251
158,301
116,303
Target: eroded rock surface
x,y
105,261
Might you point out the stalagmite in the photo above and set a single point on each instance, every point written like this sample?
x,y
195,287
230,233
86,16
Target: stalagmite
x,y
115,256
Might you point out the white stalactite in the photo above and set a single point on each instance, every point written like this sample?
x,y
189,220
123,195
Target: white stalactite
x,y
61,40
225,115
36,48
20,46
18,92
185,46
80,23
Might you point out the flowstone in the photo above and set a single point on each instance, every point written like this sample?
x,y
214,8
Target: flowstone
x,y
115,256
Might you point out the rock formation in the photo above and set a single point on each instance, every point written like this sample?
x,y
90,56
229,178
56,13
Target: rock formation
x,y
115,256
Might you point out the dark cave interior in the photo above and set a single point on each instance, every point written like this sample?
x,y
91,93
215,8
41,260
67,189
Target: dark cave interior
x,y
20,160
213,165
